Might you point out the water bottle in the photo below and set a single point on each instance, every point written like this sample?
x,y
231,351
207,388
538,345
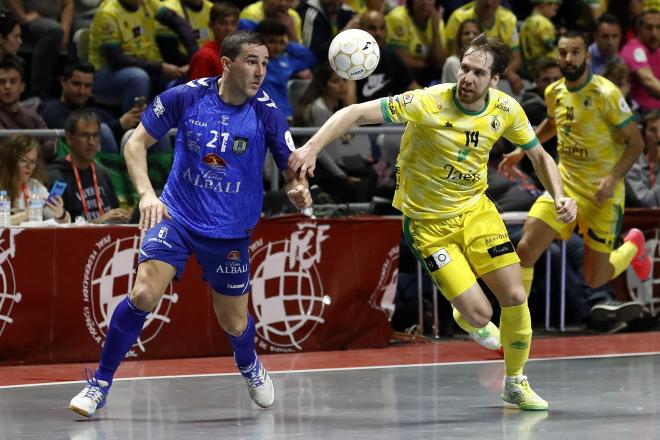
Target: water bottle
x,y
5,210
36,208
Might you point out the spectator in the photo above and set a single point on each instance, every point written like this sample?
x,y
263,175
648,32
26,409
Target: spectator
x,y
76,82
643,179
178,41
286,60
642,56
22,173
533,97
496,21
415,32
47,27
253,14
362,6
12,115
538,35
89,191
84,13
619,74
607,41
10,36
467,31
322,20
124,52
222,22
344,171
627,12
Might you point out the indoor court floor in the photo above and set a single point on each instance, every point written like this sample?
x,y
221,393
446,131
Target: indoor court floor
x,y
599,387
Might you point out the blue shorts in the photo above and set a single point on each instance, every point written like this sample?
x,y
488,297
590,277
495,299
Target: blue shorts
x,y
225,262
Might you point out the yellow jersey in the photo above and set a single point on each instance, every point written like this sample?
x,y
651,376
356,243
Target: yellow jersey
x,y
588,120
403,33
254,14
503,28
442,164
537,38
199,20
113,25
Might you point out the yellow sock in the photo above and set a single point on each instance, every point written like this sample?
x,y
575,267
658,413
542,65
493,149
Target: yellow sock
x,y
462,323
622,256
516,337
527,278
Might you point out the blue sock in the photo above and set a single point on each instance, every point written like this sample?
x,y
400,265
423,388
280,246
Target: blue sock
x,y
244,353
125,327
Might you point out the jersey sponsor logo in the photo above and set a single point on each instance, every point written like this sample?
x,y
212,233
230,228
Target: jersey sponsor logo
x,y
501,249
235,286
234,255
232,267
407,98
9,296
639,55
159,108
197,123
390,106
502,104
438,259
496,237
461,178
214,161
573,151
212,180
240,145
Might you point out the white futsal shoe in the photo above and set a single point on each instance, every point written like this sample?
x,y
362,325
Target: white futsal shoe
x,y
92,397
488,337
259,384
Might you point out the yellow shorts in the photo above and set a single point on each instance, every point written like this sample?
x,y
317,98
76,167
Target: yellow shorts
x,y
599,226
453,250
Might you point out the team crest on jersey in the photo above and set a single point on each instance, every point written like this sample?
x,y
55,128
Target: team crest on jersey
x,y
234,255
240,145
495,124
587,102
214,161
407,98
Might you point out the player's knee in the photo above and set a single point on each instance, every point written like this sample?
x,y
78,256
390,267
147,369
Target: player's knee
x,y
524,253
516,298
144,296
479,316
232,323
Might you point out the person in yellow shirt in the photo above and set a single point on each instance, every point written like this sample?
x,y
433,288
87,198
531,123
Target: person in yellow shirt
x,y
415,32
253,14
497,22
179,44
452,227
538,34
597,142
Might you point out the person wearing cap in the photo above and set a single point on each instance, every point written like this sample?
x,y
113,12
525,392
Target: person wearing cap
x,y
538,35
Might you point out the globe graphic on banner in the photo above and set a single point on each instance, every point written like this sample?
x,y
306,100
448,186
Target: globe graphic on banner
x,y
8,295
287,298
112,277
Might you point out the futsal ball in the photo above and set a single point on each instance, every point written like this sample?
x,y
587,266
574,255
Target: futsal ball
x,y
353,54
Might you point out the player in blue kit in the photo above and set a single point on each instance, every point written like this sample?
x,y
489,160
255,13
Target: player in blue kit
x,y
209,207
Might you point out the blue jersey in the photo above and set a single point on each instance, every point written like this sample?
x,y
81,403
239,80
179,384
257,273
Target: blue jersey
x,y
215,186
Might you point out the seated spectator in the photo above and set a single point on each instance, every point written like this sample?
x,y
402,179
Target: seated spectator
x,y
497,22
607,40
467,31
253,14
76,82
89,192
642,57
206,61
179,41
12,115
532,99
362,6
47,27
627,11
344,169
286,60
538,35
643,179
124,53
619,74
10,36
84,13
22,172
322,20
415,32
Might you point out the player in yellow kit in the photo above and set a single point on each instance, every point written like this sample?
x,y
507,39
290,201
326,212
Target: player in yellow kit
x,y
597,141
452,227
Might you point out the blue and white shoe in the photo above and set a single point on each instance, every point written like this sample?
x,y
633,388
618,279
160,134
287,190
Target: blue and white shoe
x,y
92,397
259,384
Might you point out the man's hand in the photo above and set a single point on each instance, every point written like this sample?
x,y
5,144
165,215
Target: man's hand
x,y
605,190
303,160
131,118
56,205
300,196
566,209
509,161
117,215
173,72
29,16
152,211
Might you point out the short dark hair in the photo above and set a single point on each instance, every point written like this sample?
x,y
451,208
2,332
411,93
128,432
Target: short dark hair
x,y
77,66
640,18
617,72
7,23
71,123
459,31
575,34
498,50
223,9
608,18
271,26
12,62
545,63
233,44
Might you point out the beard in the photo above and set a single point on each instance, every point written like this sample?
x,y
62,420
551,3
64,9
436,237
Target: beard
x,y
472,96
573,73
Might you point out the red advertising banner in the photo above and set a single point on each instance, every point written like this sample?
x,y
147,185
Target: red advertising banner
x,y
316,285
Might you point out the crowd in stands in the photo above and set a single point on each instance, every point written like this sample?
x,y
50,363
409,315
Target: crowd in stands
x,y
90,67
